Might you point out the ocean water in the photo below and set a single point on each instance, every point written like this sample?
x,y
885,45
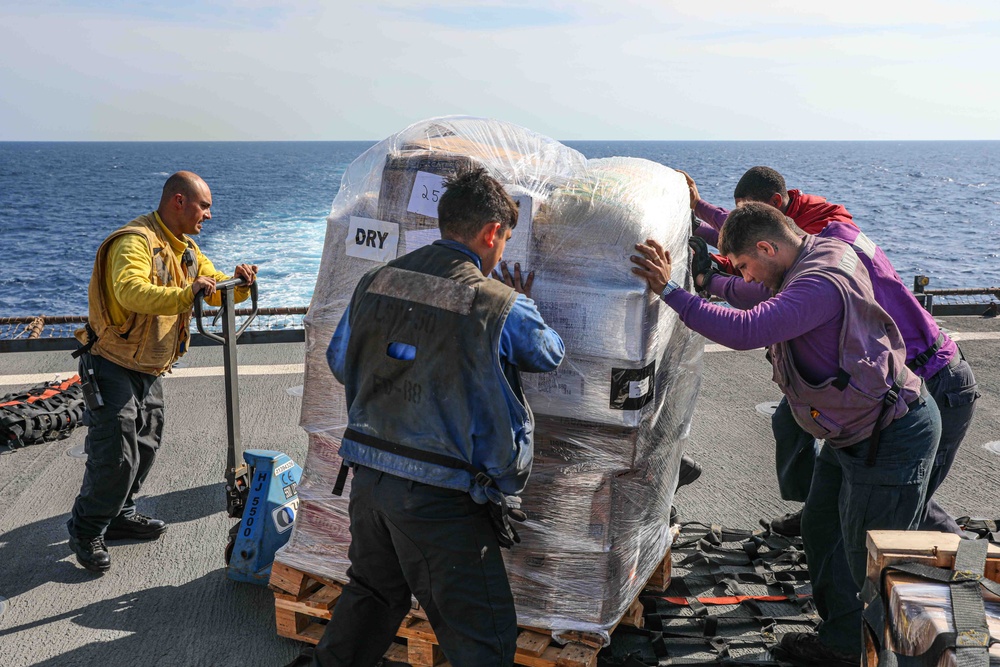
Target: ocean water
x,y
934,207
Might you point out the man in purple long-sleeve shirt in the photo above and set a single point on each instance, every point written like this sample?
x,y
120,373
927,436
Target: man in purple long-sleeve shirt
x,y
833,349
930,353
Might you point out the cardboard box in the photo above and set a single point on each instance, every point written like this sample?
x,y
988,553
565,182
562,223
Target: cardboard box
x,y
618,323
402,173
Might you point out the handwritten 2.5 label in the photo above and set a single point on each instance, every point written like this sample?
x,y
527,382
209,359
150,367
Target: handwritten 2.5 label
x,y
426,193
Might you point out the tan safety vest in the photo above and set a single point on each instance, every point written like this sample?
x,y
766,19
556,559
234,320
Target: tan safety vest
x,y
145,343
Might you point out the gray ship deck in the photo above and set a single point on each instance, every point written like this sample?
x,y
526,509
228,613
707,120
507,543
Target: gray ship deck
x,y
169,603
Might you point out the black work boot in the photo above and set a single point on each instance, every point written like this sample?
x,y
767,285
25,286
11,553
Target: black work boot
x,y
303,659
91,553
805,649
690,471
789,525
135,527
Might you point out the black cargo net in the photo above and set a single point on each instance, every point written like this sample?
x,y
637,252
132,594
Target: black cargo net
x,y
733,593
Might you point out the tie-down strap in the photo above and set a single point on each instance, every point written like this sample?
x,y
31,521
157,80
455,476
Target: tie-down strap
x,y
971,638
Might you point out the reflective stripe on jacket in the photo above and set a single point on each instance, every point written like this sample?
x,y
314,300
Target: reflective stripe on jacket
x,y
919,330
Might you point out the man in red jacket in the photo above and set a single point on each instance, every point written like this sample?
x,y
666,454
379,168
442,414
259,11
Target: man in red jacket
x,y
763,184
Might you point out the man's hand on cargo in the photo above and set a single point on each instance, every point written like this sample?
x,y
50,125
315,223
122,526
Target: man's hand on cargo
x,y
247,272
515,280
654,265
204,285
692,189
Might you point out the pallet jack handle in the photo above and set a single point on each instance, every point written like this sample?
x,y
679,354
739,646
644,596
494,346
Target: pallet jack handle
x,y
225,287
237,474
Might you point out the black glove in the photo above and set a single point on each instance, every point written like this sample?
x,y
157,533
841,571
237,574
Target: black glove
x,y
702,264
501,515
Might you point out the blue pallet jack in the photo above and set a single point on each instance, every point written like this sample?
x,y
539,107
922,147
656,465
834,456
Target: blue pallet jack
x,y
261,484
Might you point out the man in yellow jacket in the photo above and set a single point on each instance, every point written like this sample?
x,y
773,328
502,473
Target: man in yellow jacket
x,y
145,280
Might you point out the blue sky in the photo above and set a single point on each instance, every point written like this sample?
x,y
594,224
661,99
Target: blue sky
x,y
630,69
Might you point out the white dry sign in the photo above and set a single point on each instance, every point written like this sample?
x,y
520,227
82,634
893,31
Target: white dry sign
x,y
372,239
426,193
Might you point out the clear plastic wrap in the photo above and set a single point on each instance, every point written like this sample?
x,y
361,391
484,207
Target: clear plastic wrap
x,y
919,611
611,423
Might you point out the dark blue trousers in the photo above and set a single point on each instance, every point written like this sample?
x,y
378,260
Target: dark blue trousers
x,y
954,391
122,440
848,498
437,544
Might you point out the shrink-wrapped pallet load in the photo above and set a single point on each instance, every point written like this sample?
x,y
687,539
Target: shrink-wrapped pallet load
x,y
921,617
610,424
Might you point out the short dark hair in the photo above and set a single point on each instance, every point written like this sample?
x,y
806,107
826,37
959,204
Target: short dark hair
x,y
752,222
760,184
471,199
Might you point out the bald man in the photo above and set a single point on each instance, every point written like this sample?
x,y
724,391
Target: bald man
x,y
145,280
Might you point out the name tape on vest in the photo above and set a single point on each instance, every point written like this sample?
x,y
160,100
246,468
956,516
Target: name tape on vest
x,y
372,239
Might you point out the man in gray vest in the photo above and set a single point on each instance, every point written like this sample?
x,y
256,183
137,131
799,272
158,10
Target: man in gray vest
x,y
840,361
439,435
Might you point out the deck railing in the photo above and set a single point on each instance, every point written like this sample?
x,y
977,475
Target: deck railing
x,y
55,332
284,325
984,301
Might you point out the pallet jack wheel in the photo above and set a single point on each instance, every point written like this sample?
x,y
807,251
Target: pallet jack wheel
x,y
231,544
229,550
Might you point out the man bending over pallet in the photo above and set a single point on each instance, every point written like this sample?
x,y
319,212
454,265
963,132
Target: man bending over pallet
x,y
840,360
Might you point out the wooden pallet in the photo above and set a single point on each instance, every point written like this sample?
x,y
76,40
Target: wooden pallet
x,y
303,603
659,581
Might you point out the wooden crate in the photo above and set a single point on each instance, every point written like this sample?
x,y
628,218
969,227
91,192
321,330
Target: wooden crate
x,y
303,603
886,547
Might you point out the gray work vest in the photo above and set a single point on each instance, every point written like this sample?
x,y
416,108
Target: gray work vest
x,y
844,409
449,399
